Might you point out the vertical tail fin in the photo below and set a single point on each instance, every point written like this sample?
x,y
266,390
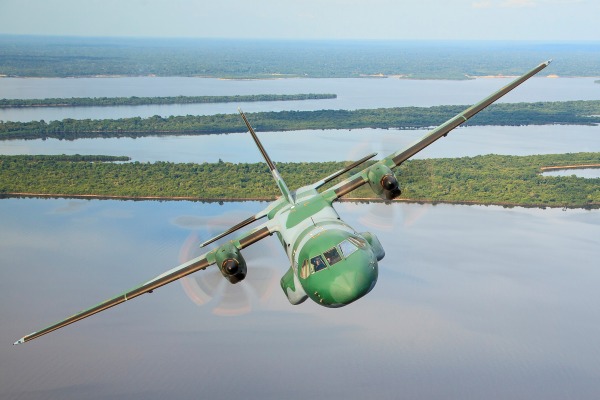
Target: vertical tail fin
x,y
278,179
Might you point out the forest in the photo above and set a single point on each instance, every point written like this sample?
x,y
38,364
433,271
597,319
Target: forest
x,y
489,179
541,113
38,56
142,101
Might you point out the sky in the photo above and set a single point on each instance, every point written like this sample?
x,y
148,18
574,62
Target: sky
x,y
548,20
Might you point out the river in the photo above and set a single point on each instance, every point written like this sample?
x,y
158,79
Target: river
x,y
325,145
317,145
472,301
351,94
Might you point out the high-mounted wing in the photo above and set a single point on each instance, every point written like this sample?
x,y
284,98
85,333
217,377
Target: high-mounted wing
x,y
178,272
442,130
337,174
397,158
226,256
187,268
238,226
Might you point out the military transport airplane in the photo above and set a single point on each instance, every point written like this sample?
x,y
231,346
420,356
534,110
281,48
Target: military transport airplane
x,y
330,262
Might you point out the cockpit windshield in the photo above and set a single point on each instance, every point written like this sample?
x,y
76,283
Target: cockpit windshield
x,y
347,248
317,263
332,256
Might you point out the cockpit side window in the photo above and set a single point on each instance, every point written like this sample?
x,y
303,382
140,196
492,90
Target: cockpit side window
x,y
317,263
305,270
359,242
332,256
347,248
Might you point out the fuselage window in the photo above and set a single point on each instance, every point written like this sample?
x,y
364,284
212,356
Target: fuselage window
x,y
317,263
332,256
347,248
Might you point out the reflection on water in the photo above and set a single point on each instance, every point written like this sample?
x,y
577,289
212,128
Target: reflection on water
x,y
472,302
329,145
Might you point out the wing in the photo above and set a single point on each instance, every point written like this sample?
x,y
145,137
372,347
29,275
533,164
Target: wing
x,y
196,264
178,272
199,263
397,158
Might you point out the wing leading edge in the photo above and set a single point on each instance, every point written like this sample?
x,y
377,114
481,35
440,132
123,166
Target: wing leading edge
x,y
178,272
199,263
397,158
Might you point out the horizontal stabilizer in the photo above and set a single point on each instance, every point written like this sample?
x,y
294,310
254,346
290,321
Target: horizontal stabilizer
x,y
343,171
242,224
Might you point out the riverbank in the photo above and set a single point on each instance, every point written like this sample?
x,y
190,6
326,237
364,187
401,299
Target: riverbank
x,y
161,100
490,179
560,167
503,114
360,200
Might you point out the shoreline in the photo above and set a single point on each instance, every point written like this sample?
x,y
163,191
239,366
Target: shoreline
x,y
270,199
560,167
292,76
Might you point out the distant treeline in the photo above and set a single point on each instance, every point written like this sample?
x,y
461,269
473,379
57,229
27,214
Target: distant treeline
x,y
76,158
140,101
570,112
43,56
490,179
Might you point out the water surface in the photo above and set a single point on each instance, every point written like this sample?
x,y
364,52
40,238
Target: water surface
x,y
472,302
589,173
326,145
352,94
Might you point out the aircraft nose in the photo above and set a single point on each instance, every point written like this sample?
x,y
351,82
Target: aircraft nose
x,y
354,281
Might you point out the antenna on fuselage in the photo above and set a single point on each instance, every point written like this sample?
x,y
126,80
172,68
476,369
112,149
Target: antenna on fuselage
x,y
278,179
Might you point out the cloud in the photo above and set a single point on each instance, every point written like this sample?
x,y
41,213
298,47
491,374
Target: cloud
x,y
504,4
519,3
482,4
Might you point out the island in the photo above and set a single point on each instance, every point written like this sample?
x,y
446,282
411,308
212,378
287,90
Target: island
x,y
490,179
160,100
507,114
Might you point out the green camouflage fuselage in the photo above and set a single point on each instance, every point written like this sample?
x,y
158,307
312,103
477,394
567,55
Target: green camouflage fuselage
x,y
311,230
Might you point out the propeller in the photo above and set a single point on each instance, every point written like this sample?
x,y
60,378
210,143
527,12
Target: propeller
x,y
209,288
382,216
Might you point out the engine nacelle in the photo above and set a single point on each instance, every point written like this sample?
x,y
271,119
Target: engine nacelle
x,y
383,182
231,263
376,246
